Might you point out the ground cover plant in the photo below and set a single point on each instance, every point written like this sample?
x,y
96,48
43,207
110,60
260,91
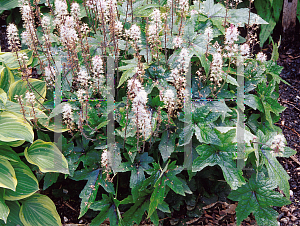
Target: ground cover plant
x,y
149,102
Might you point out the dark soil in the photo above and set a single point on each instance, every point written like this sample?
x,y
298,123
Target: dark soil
x,y
65,193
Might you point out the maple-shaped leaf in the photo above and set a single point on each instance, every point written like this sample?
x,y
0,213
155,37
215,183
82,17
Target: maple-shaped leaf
x,y
167,178
257,196
137,211
223,156
108,208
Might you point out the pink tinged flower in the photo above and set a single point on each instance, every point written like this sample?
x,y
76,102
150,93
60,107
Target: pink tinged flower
x,y
156,16
169,97
83,77
22,57
134,33
26,13
183,59
245,49
278,144
97,65
208,33
61,10
104,158
216,68
75,9
30,97
80,94
193,12
67,112
177,41
141,97
26,38
118,26
261,57
184,5
134,85
12,35
45,22
231,34
49,75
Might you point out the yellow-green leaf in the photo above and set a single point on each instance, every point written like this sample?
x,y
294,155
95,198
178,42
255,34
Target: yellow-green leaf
x,y
27,183
13,128
4,210
8,176
47,157
20,88
39,210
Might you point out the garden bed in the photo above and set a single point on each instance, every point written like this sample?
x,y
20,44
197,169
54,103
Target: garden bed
x,y
215,212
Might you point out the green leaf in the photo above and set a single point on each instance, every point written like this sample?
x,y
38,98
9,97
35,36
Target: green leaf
x,y
157,196
47,157
6,79
266,31
39,210
257,196
9,154
102,124
11,60
8,176
230,80
288,152
20,88
277,8
13,217
89,192
219,106
136,212
207,135
276,172
240,17
167,145
27,183
49,179
4,210
108,209
8,5
210,156
14,128
186,135
252,101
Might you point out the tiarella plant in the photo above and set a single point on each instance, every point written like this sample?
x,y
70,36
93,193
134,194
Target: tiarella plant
x,y
174,120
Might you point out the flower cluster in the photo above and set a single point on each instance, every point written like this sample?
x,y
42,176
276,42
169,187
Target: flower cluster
x,y
245,50
30,97
75,10
139,100
67,115
49,75
216,69
209,34
177,41
98,77
68,34
61,11
83,78
169,99
261,57
154,28
13,37
231,35
278,145
178,79
184,5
